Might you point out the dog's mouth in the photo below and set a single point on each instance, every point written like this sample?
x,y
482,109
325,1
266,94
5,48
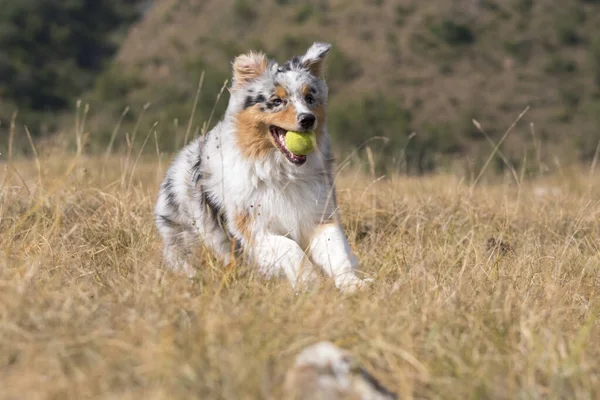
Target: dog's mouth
x,y
279,136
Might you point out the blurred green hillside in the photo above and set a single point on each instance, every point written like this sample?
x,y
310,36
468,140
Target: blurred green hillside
x,y
416,73
52,51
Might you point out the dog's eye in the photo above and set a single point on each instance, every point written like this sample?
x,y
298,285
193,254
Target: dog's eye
x,y
309,99
277,101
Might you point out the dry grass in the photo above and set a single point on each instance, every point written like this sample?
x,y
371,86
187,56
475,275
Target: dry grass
x,y
86,310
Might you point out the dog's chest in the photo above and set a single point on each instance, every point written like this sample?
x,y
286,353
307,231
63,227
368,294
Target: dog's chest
x,y
272,198
292,210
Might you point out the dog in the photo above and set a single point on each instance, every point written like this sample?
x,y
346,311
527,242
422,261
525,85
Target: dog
x,y
239,190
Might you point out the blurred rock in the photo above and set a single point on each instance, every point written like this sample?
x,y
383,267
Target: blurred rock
x,y
323,371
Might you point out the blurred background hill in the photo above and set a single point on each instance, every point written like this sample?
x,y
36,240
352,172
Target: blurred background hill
x,y
414,72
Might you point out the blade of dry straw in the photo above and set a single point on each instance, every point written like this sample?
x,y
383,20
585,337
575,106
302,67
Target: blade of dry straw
x,y
131,142
159,171
490,158
196,97
113,136
140,153
502,156
35,153
595,159
212,112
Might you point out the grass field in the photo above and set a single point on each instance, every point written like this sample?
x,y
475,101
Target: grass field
x,y
486,292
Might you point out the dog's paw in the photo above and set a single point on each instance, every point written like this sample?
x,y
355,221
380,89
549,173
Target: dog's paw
x,y
350,283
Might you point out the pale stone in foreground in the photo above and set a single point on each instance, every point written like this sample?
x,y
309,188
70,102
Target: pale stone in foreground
x,y
323,371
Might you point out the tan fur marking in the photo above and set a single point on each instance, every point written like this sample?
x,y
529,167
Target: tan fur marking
x,y
253,134
305,90
281,92
286,118
327,221
242,223
330,219
248,66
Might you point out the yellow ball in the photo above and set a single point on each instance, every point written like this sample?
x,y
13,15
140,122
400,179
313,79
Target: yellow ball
x,y
300,143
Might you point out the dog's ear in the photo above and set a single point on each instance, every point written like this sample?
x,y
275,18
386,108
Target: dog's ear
x,y
314,58
247,67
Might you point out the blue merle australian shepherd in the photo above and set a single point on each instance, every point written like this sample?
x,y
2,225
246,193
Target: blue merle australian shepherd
x,y
239,187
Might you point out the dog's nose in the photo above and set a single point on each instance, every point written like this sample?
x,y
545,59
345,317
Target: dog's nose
x,y
306,120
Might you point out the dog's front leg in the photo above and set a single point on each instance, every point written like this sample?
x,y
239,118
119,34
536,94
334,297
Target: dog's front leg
x,y
329,249
275,254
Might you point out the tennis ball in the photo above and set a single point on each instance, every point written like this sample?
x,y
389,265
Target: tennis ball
x,y
300,143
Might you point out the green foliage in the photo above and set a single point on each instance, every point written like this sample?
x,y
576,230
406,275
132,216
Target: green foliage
x,y
587,139
171,105
594,56
570,94
402,14
374,115
567,25
523,6
558,65
214,79
520,49
453,33
50,51
244,12
304,13
439,58
387,127
291,45
113,85
341,69
356,122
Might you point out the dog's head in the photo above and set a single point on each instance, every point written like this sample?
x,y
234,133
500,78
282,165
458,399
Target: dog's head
x,y
268,100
